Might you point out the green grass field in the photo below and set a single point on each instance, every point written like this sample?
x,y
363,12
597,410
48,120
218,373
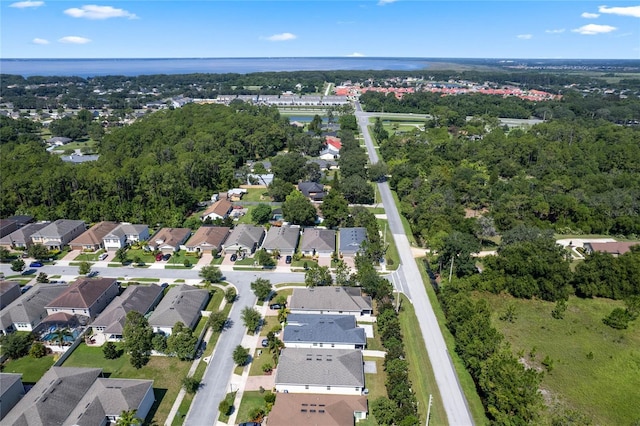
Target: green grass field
x,y
250,401
32,369
605,387
166,373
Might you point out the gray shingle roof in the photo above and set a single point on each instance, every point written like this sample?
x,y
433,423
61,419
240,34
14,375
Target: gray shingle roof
x,y
30,307
347,299
282,238
351,239
320,367
126,229
245,235
313,328
322,240
181,304
23,235
59,228
139,298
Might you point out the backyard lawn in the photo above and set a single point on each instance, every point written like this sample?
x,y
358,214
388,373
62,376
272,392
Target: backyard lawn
x,y
166,373
250,401
32,369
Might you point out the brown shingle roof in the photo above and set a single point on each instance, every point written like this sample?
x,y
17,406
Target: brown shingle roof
x,y
315,409
170,237
83,293
220,207
209,235
95,234
613,248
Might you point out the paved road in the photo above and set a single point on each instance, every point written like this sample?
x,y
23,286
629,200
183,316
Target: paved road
x,y
453,398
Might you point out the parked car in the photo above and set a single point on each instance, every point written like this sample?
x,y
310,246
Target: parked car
x,y
234,257
275,306
166,257
92,274
25,255
158,257
250,424
36,265
26,288
103,256
164,285
265,343
287,260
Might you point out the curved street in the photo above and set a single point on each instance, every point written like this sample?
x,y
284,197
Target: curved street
x,y
451,392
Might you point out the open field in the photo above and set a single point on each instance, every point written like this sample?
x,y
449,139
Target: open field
x,y
32,369
596,369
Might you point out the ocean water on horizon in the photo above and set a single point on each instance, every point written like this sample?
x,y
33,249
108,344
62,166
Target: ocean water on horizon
x,y
133,67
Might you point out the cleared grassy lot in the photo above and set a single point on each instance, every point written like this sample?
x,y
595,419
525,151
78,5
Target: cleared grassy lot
x,y
596,369
32,369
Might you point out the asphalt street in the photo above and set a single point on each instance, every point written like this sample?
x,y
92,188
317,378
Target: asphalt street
x,y
451,393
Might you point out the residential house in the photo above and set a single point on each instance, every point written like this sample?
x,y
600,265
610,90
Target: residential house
x,y
614,248
218,210
85,297
323,331
351,240
58,141
139,298
125,234
58,234
264,179
244,237
317,409
283,239
182,303
312,190
323,371
320,242
11,390
236,194
331,150
28,311
21,238
93,238
7,226
169,240
81,397
21,219
330,300
9,291
79,158
207,238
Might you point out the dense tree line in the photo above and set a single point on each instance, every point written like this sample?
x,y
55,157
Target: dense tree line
x,y
153,171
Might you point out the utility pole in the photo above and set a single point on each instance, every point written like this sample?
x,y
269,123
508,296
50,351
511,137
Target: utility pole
x,y
429,408
451,269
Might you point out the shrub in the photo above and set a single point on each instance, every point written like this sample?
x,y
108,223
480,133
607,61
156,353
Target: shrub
x,y
269,397
230,295
38,350
110,351
191,384
224,407
618,319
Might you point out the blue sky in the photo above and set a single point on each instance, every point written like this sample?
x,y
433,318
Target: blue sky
x,y
371,28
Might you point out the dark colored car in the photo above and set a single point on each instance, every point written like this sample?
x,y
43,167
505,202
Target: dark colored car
x,y
265,343
287,260
234,257
166,257
250,424
164,285
35,264
275,306
25,289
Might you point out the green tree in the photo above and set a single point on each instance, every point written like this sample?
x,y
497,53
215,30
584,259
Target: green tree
x,y
128,418
299,210
38,251
159,343
230,295
261,288
137,335
279,189
618,319
334,208
110,351
211,274
121,255
17,265
357,190
60,335
317,276
315,126
456,250
42,278
84,268
38,350
4,254
181,342
289,167
217,320
378,172
241,355
190,384
16,345
251,319
263,258
261,213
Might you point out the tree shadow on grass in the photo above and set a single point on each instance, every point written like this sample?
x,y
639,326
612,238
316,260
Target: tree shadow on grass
x,y
159,394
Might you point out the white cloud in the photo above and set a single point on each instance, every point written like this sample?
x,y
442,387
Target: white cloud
x,y
25,4
356,55
40,41
588,15
525,36
383,2
93,11
633,11
558,31
74,40
282,37
593,29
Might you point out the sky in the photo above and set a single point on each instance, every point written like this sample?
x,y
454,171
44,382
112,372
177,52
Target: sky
x,y
327,28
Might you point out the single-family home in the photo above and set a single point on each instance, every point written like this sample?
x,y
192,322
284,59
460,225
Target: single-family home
x,y
321,242
244,237
614,248
207,238
21,238
308,409
58,234
58,141
330,300
93,238
324,371
169,240
236,194
11,390
21,219
85,297
139,298
9,291
124,234
263,179
28,311
81,397
312,190
7,226
182,303
331,150
282,238
351,240
323,331
218,210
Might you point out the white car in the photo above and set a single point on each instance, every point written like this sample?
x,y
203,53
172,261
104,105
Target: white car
x,y
103,256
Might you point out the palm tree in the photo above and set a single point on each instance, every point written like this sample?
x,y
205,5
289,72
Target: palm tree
x,y
127,418
274,345
60,334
